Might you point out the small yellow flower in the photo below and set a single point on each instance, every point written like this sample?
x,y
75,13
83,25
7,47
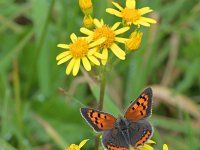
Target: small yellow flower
x,y
165,147
88,21
146,146
86,6
110,33
81,49
134,42
76,147
130,14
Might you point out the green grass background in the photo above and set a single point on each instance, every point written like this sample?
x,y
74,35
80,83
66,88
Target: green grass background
x,y
39,104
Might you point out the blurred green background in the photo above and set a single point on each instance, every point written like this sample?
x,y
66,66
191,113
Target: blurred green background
x,y
39,104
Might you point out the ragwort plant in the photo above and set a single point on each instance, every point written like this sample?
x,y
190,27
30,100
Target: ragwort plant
x,y
95,49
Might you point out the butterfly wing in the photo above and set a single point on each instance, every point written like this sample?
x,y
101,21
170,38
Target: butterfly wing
x,y
139,132
113,139
141,107
135,135
98,120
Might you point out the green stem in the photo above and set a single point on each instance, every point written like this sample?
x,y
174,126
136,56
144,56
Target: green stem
x,y
101,100
102,90
18,103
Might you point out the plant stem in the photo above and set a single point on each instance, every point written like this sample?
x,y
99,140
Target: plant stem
x,y
18,102
102,90
101,100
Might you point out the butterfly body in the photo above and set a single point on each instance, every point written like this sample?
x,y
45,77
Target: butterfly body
x,y
127,133
131,130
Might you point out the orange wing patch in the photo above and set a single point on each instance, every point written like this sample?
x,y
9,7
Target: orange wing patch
x,y
98,120
101,120
110,147
141,107
143,139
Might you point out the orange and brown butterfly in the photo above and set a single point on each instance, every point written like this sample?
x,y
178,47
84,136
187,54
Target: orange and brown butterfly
x,y
120,133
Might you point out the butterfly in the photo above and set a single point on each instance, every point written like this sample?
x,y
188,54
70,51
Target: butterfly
x,y
120,133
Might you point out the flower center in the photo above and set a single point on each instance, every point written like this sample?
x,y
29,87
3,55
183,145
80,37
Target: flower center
x,y
79,48
104,31
130,15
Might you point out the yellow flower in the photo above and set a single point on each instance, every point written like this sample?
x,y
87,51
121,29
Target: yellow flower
x,y
86,6
134,42
165,147
110,33
88,21
81,49
130,14
76,147
146,146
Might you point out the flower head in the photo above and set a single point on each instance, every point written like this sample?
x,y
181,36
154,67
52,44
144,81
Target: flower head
x,y
86,6
110,33
134,42
81,49
130,14
76,147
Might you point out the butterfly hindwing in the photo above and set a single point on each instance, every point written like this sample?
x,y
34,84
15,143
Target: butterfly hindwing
x,y
140,132
141,107
98,120
113,139
135,135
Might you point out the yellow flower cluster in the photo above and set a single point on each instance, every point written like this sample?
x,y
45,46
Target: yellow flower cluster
x,y
144,147
102,39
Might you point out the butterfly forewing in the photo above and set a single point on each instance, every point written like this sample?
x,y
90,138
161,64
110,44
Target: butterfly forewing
x,y
98,120
141,107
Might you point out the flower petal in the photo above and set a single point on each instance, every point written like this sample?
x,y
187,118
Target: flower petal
x,y
76,67
149,20
65,46
151,142
130,4
145,10
118,51
63,54
86,31
64,59
94,60
92,51
165,147
114,12
121,30
105,55
70,66
102,22
142,23
83,143
86,64
97,42
117,5
73,37
97,23
99,55
146,147
120,40
115,26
